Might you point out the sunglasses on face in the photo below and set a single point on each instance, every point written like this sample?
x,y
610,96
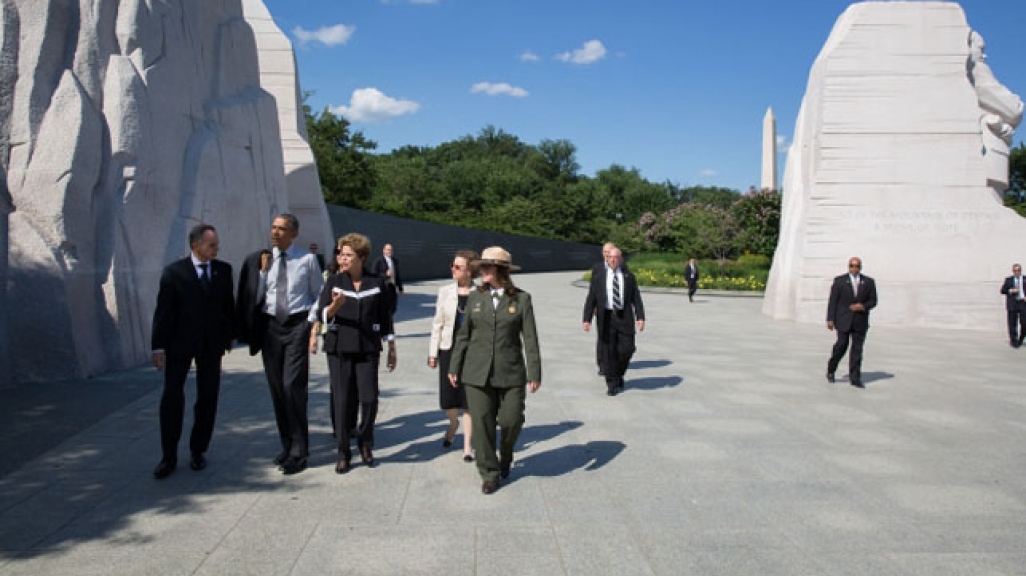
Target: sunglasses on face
x,y
455,266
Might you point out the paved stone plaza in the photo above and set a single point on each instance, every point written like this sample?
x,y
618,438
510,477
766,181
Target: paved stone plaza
x,y
729,453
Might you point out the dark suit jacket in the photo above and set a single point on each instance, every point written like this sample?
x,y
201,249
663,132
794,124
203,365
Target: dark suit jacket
x,y
1012,301
690,274
497,346
191,321
380,267
252,322
842,295
364,318
595,303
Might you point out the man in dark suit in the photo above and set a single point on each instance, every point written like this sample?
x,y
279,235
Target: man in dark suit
x,y
852,296
278,289
1015,305
597,272
615,300
194,321
691,276
315,250
387,267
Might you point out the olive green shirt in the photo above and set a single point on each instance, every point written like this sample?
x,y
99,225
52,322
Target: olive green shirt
x,y
494,342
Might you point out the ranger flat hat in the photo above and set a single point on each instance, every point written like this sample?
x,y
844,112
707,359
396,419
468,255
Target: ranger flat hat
x,y
496,256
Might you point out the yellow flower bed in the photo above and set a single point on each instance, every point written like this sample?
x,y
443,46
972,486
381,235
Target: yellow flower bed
x,y
664,279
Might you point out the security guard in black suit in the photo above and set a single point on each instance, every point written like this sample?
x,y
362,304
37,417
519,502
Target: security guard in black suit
x,y
852,296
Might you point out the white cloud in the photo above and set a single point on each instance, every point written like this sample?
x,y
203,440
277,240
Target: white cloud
x,y
708,172
371,106
782,143
327,35
496,89
590,51
529,56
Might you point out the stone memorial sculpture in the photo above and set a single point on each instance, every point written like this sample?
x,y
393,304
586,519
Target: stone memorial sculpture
x,y
122,124
900,156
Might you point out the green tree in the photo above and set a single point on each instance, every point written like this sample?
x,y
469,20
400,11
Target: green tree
x,y
711,195
1015,197
556,160
343,163
757,215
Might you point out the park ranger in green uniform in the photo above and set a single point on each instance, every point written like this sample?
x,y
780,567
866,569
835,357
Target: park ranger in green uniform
x,y
496,357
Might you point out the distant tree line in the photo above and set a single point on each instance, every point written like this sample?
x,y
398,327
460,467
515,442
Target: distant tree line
x,y
1015,197
494,181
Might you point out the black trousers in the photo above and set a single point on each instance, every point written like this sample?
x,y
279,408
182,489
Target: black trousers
x,y
359,373
172,403
286,357
1016,325
858,339
692,288
351,413
616,346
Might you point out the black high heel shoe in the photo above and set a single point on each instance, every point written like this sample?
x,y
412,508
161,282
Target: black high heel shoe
x,y
367,457
342,466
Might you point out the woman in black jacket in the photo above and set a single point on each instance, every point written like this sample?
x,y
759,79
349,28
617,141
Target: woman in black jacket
x,y
356,307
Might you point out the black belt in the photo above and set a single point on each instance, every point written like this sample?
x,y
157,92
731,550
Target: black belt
x,y
292,317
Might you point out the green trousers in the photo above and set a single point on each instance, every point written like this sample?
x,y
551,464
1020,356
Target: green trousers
x,y
489,407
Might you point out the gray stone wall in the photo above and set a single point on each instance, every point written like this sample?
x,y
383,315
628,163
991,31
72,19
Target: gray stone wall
x,y
425,249
122,125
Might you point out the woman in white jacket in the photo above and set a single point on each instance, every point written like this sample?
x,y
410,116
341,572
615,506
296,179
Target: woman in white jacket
x,y
449,314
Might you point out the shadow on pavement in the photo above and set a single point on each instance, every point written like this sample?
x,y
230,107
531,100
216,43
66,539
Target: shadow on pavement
x,y
653,383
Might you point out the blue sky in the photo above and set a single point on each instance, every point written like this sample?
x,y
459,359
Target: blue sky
x,y
675,88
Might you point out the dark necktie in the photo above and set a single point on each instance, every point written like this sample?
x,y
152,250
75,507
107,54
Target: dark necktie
x,y
281,291
617,301
204,276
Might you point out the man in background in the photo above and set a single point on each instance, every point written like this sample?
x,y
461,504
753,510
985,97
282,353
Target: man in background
x,y
615,301
691,276
852,296
387,266
1015,305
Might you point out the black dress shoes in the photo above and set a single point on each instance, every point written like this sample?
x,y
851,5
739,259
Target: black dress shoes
x,y
830,377
293,465
446,443
504,469
164,469
489,486
468,458
612,392
367,457
280,459
857,384
197,462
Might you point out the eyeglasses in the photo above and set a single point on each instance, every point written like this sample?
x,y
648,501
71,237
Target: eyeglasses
x,y
455,266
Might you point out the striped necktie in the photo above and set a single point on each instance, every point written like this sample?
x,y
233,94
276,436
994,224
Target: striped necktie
x,y
617,300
